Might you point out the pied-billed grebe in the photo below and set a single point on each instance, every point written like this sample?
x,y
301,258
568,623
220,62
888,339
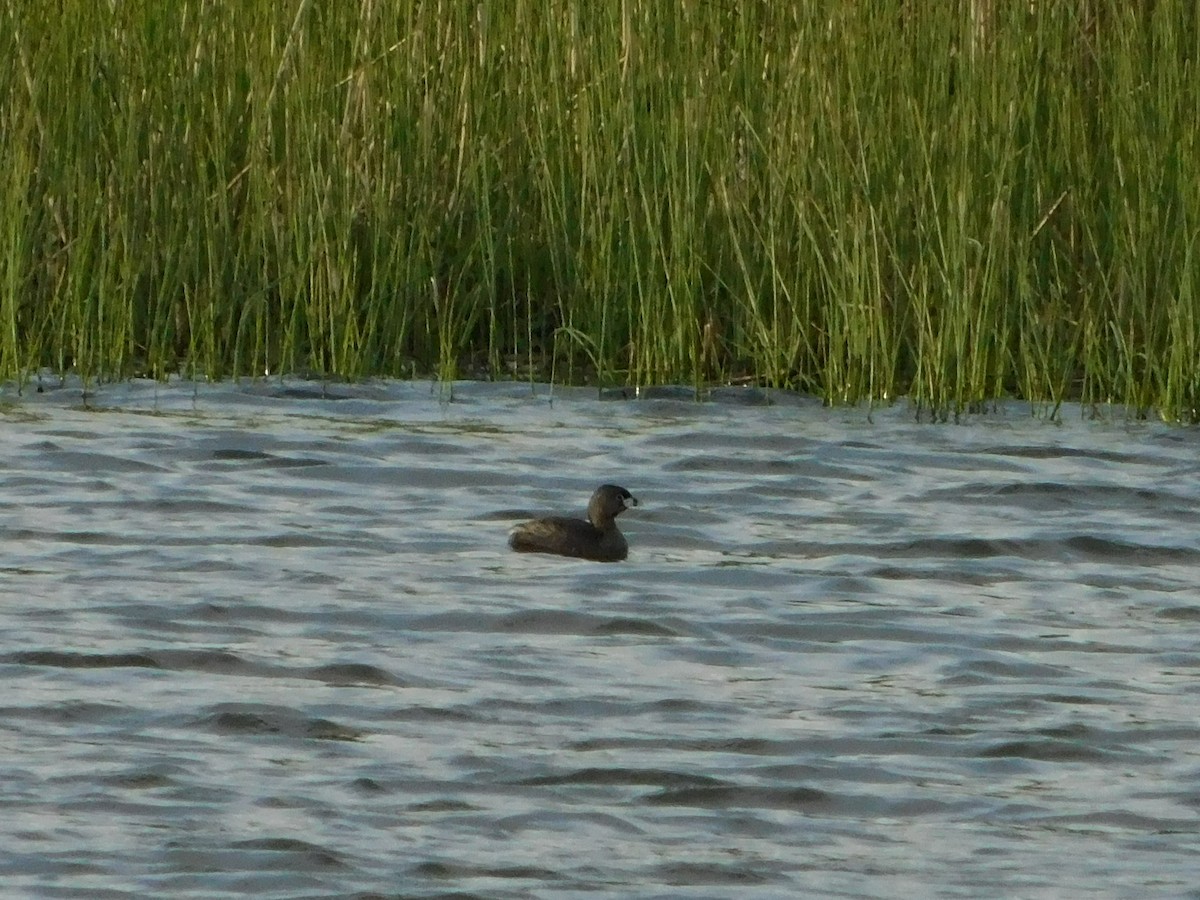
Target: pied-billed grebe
x,y
597,539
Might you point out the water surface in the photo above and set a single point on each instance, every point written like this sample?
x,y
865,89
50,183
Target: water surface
x,y
268,638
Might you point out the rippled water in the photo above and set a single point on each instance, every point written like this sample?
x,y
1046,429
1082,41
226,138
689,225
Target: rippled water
x,y
269,639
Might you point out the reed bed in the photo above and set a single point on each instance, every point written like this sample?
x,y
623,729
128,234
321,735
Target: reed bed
x,y
954,202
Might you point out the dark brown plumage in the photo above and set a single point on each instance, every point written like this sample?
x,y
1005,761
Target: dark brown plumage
x,y
597,539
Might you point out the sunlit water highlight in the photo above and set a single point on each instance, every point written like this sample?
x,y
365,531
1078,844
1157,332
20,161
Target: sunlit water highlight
x,y
268,639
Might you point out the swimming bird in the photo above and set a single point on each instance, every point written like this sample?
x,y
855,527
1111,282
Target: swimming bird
x,y
597,539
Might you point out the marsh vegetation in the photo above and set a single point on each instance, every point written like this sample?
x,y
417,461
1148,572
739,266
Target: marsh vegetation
x,y
952,202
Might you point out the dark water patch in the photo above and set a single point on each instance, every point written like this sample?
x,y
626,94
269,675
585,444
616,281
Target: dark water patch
x,y
188,506
642,627
435,714
1151,580
745,396
1098,698
237,454
272,461
543,621
712,441
1156,829
594,708
1066,548
733,745
725,464
442,805
556,821
254,719
303,855
812,631
1051,452
243,611
678,705
22,487
99,463
941,573
764,571
734,797
292,540
509,515
1058,499
70,434
453,622
407,445
353,674
325,730
83,538
321,392
1180,614
217,662
1045,751
990,671
71,660
621,777
617,394
668,392
24,572
139,781
356,514
971,548
1109,550
710,875
69,712
1072,731
448,871
1108,495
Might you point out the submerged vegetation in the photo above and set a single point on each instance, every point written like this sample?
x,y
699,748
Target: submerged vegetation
x,y
950,201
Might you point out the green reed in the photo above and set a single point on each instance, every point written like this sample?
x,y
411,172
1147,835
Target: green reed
x,y
863,201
